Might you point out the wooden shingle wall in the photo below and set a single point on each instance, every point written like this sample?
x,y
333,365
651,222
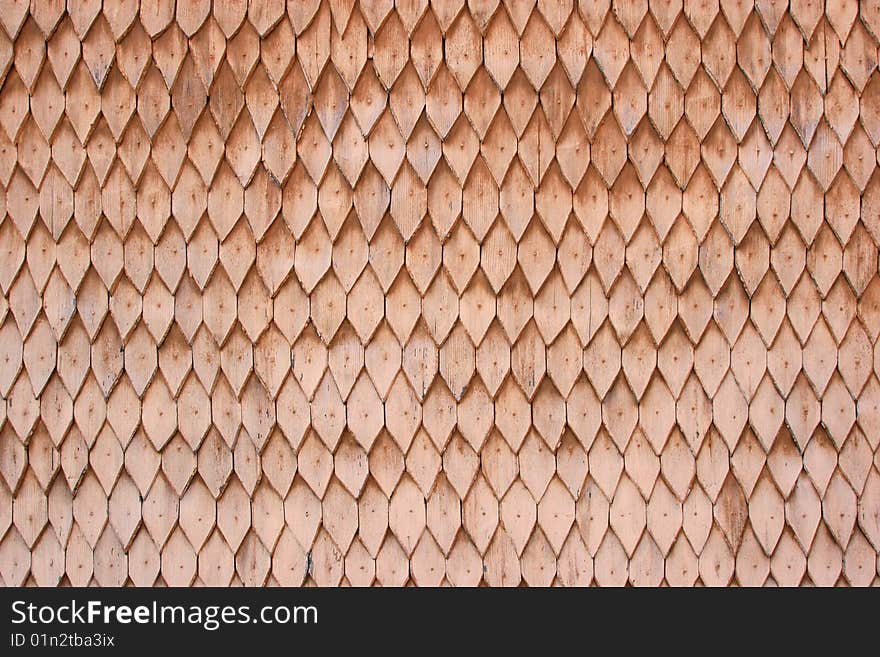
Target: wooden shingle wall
x,y
341,292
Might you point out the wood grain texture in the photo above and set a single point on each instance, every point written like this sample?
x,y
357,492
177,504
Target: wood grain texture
x,y
351,293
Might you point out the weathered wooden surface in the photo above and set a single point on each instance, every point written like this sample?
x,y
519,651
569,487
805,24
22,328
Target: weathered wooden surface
x,y
490,292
